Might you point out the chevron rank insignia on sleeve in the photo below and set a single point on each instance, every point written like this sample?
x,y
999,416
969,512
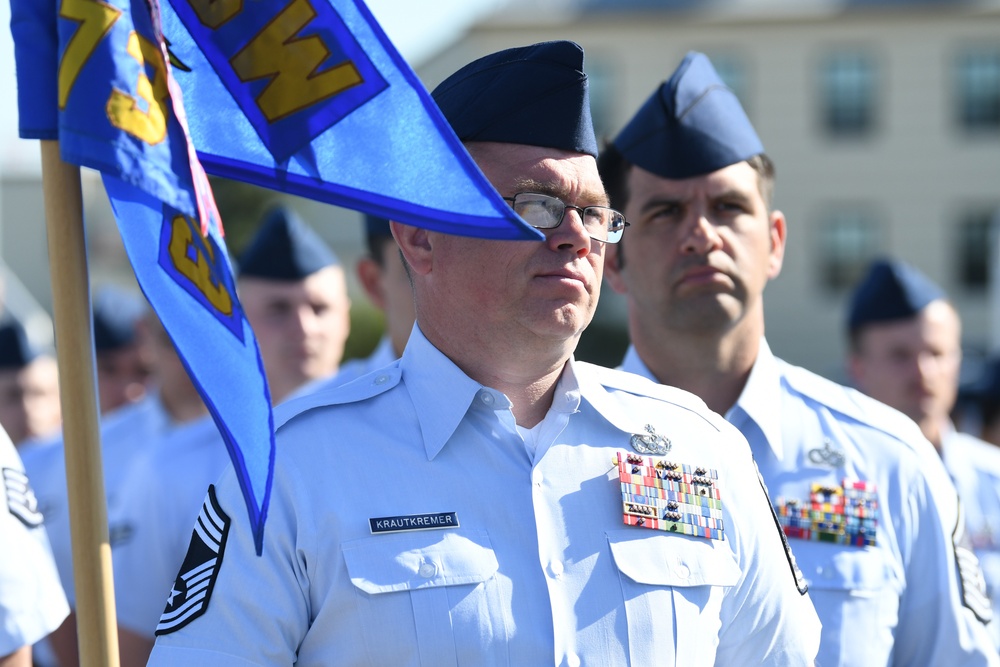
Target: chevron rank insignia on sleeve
x,y
21,501
191,591
974,595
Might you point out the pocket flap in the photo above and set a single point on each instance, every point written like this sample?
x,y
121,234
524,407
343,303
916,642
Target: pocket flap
x,y
421,559
672,560
836,567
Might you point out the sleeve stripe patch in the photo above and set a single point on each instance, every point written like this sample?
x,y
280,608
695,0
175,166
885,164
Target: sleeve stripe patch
x,y
970,574
21,501
192,589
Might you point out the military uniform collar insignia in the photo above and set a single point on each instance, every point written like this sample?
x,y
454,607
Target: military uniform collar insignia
x,y
650,442
827,455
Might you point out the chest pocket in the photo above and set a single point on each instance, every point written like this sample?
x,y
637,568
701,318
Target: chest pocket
x,y
856,593
829,567
434,591
664,576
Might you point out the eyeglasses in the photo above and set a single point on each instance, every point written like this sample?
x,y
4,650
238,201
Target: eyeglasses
x,y
545,212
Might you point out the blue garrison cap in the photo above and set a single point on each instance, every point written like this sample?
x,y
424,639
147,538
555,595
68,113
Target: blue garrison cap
x,y
376,226
535,95
16,349
986,385
285,248
115,320
892,290
692,125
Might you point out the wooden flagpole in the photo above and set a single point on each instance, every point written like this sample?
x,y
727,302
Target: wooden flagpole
x,y
95,602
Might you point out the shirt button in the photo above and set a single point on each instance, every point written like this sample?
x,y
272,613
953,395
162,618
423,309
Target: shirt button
x,y
381,379
486,397
427,570
682,571
573,660
556,568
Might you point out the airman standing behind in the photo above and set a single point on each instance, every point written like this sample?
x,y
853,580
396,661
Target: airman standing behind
x,y
867,507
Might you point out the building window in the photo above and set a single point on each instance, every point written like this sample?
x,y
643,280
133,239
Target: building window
x,y
847,94
849,239
976,245
978,95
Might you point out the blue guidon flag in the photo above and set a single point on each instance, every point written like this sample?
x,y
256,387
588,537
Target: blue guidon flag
x,y
309,97
96,77
304,96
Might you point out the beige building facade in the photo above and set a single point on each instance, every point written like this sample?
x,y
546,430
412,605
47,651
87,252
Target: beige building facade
x,y
883,121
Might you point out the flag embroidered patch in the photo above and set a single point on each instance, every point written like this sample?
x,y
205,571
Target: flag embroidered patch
x,y
672,497
845,514
191,591
21,501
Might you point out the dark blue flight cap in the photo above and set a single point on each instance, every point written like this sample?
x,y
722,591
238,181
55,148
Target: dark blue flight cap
x,y
691,126
115,320
892,290
376,226
16,349
535,95
285,248
985,386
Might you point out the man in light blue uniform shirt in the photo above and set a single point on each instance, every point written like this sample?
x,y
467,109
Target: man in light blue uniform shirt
x,y
32,603
292,288
384,280
126,434
121,348
906,350
691,176
488,500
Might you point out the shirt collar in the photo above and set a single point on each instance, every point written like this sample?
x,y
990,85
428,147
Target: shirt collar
x,y
608,408
950,453
633,363
441,392
383,355
566,398
760,400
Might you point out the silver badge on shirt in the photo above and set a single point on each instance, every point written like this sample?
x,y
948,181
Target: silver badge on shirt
x,y
826,455
650,442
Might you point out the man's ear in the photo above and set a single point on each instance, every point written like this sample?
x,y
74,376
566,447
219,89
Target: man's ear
x,y
613,268
370,277
776,220
415,244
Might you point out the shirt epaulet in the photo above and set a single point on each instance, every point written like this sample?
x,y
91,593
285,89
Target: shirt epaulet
x,y
618,380
636,384
852,404
363,388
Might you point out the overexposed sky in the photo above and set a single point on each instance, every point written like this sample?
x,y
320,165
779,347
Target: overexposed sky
x,y
418,29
